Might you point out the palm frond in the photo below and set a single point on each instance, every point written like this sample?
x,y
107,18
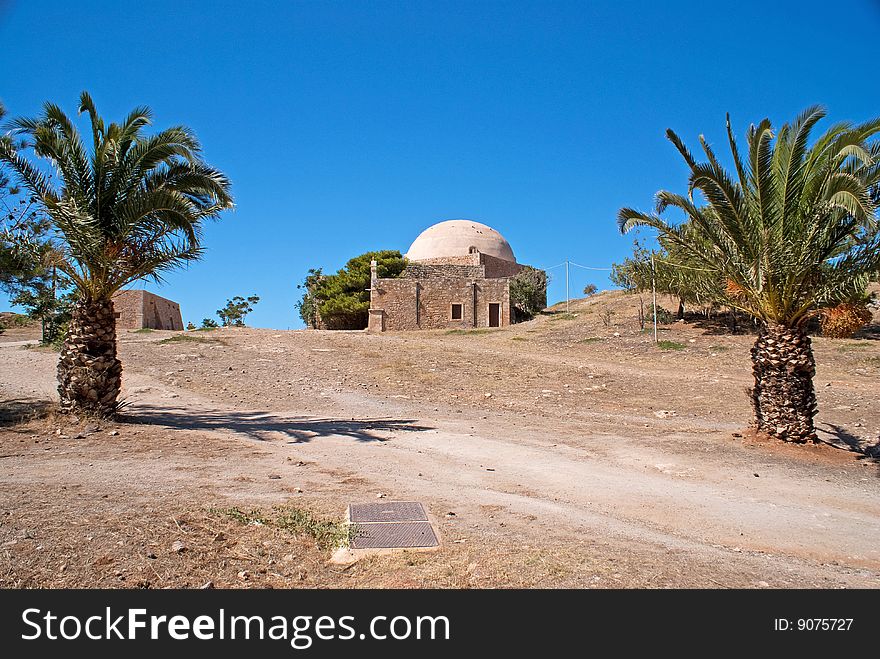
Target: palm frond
x,y
129,207
787,230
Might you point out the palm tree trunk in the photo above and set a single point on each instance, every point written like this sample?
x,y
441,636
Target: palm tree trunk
x,y
783,397
89,374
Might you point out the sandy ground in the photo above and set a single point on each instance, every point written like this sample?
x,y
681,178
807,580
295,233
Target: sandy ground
x,y
565,452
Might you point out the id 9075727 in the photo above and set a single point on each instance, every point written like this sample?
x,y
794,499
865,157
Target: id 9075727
x,y
812,624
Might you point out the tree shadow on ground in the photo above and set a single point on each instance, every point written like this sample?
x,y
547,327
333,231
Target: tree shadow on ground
x,y
870,333
720,324
845,440
265,426
21,410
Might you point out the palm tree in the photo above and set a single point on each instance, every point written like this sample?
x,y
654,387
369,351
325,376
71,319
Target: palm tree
x,y
792,231
129,208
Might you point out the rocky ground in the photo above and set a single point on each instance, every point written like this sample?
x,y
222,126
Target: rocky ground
x,y
569,451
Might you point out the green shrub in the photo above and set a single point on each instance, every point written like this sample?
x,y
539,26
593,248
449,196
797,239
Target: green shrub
x,y
528,293
58,335
664,316
342,301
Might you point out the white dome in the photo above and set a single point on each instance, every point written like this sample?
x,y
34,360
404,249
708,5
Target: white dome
x,y
458,238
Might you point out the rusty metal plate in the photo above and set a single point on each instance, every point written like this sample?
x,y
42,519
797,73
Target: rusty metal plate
x,y
394,535
390,511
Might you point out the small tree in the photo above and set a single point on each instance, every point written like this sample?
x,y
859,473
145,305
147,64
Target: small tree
x,y
190,326
528,293
209,323
236,309
342,300
308,305
29,255
674,272
590,290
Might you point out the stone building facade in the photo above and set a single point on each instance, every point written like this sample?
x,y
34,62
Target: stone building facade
x,y
140,309
457,276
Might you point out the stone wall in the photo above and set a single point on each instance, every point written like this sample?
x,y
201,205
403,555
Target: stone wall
x,y
423,296
160,313
421,270
129,309
138,309
495,267
409,304
465,259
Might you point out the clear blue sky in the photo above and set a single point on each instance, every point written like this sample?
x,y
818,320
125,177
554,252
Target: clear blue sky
x,y
349,126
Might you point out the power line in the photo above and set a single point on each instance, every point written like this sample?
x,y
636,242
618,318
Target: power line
x,y
568,263
587,267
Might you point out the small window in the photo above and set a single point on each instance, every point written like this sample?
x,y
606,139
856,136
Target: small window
x,y
456,312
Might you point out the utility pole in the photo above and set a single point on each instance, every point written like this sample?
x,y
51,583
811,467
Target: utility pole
x,y
567,296
654,295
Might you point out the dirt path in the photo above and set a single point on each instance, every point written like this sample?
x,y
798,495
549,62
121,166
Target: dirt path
x,y
549,454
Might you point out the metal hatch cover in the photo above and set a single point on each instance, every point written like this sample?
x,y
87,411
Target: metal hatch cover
x,y
393,535
389,511
391,525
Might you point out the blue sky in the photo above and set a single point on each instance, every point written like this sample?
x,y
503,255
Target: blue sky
x,y
350,126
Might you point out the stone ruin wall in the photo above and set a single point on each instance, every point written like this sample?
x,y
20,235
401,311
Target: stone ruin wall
x,y
396,298
138,309
490,267
419,270
129,309
160,313
495,267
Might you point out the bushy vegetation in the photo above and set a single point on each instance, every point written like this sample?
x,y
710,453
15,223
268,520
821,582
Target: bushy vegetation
x,y
674,272
844,320
29,258
236,310
528,293
8,320
664,316
342,300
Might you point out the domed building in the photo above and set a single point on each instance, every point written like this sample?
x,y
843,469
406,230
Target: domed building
x,y
454,238
457,276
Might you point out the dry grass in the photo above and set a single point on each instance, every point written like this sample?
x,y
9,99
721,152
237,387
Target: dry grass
x,y
479,330
189,338
327,533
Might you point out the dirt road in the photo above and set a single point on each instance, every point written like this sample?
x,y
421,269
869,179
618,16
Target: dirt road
x,y
549,454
